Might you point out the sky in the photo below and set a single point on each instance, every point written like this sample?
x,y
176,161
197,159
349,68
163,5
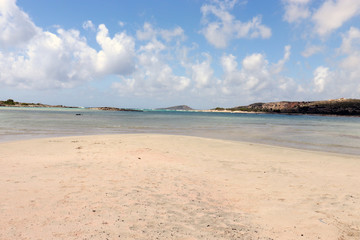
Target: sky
x,y
161,53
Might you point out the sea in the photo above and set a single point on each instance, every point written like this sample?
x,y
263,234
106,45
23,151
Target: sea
x,y
320,133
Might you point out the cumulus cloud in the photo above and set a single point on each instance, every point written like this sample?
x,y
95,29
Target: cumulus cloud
x,y
350,48
16,26
63,59
255,78
255,69
153,78
296,10
343,78
321,78
147,63
225,27
254,62
350,41
333,14
117,54
60,59
50,61
202,72
153,73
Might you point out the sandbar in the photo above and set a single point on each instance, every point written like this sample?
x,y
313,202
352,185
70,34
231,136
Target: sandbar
x,y
149,186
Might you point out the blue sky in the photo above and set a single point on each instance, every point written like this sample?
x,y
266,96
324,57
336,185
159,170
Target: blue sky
x,y
149,54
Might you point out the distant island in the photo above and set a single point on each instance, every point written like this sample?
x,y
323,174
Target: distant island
x,y
342,106
177,108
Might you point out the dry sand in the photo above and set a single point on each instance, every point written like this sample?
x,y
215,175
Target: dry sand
x,y
174,187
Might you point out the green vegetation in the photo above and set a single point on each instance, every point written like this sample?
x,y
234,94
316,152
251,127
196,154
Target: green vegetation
x,y
9,102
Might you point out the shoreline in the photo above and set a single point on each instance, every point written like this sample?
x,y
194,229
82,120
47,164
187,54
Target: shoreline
x,y
151,186
257,128
49,107
274,145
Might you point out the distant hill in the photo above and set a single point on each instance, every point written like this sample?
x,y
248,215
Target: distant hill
x,y
180,107
340,106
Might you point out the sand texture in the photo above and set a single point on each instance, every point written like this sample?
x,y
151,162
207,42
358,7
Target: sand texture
x,y
174,187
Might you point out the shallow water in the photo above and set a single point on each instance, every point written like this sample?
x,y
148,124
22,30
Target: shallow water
x,y
324,133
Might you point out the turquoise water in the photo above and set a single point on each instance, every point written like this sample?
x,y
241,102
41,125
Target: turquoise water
x,y
324,133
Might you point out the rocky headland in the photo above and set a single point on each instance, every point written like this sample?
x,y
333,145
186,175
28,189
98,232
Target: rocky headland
x,y
342,106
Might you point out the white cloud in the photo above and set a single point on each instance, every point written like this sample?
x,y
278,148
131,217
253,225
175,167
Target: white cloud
x,y
255,79
254,62
256,71
350,41
153,75
232,75
342,80
350,47
279,66
61,59
296,10
147,64
16,27
229,64
117,54
149,33
88,25
202,73
321,78
126,86
50,61
168,35
311,50
152,79
333,14
225,28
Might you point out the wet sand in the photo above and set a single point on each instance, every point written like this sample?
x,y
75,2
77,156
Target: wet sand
x,y
174,187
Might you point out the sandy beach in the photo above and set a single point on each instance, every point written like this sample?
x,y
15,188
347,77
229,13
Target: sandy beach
x,y
174,187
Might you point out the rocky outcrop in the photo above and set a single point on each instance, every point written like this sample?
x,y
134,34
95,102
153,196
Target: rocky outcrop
x,y
340,106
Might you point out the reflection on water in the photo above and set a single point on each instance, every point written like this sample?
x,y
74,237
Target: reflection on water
x,y
335,134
